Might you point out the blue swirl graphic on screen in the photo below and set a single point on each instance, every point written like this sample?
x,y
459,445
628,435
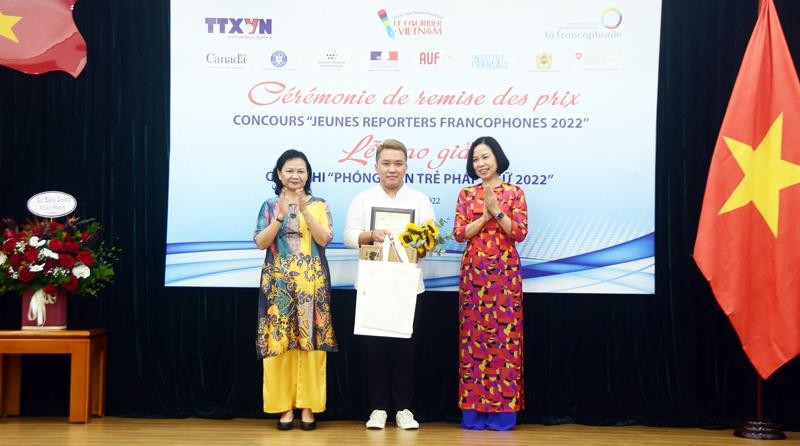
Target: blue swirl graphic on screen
x,y
579,273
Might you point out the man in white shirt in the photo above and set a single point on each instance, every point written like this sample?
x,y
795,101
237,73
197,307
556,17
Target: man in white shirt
x,y
390,361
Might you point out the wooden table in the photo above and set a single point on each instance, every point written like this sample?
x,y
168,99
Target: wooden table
x,y
87,350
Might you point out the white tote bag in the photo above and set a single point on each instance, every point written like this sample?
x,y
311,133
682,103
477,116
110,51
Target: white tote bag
x,y
387,295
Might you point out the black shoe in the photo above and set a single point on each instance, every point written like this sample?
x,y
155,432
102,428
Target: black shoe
x,y
308,425
285,426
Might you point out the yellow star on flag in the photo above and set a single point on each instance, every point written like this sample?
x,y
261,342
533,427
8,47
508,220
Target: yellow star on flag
x,y
6,23
765,174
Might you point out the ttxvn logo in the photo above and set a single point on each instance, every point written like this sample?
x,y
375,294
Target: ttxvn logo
x,y
222,25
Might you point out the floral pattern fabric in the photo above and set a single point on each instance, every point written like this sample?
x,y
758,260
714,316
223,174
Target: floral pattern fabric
x,y
490,303
294,311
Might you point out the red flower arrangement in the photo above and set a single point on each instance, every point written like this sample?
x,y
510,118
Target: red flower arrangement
x,y
59,258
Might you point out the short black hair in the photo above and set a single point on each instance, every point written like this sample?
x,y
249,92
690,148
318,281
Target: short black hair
x,y
286,156
499,155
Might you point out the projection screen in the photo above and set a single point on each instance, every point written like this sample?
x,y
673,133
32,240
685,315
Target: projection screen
x,y
568,88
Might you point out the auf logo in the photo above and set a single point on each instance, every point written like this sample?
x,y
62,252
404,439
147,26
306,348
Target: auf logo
x,y
429,58
544,61
238,26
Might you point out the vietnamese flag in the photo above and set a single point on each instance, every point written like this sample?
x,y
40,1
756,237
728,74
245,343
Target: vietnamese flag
x,y
748,239
37,36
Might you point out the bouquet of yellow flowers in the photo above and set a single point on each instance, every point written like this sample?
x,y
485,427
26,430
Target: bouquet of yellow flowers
x,y
426,238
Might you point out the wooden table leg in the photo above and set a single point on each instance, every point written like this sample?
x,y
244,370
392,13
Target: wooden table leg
x,y
98,368
10,382
79,383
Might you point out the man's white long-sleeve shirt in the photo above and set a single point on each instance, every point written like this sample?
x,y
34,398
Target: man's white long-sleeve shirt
x,y
360,211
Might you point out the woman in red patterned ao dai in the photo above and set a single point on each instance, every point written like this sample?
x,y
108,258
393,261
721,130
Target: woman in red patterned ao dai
x,y
492,217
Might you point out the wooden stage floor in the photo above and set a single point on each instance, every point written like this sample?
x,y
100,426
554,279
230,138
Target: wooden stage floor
x,y
138,431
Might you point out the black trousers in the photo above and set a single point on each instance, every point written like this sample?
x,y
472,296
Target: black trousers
x,y
390,372
390,368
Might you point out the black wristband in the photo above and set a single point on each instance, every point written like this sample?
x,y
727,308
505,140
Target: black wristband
x,y
278,220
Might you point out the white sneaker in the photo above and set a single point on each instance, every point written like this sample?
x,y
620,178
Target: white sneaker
x,y
405,420
377,419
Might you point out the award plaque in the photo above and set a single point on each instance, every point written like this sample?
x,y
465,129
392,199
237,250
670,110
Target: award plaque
x,y
393,219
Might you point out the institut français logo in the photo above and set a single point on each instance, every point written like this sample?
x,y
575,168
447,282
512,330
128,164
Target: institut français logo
x,y
489,62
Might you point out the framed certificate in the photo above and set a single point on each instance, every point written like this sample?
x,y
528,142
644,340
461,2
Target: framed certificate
x,y
393,219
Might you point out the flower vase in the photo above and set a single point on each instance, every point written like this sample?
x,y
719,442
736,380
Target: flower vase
x,y
41,311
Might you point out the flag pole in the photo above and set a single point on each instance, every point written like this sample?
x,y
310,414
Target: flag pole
x,y
759,429
759,384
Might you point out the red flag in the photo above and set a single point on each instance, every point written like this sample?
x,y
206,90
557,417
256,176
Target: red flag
x,y
37,36
748,239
